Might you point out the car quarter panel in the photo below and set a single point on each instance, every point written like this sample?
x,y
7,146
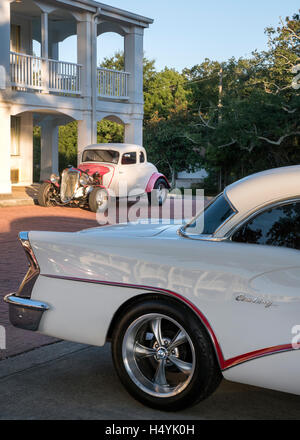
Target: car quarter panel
x,y
210,275
79,312
279,373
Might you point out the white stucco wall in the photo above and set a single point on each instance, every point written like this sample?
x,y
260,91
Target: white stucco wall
x,y
185,179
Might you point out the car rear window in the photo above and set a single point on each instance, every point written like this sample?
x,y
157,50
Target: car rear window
x,y
106,156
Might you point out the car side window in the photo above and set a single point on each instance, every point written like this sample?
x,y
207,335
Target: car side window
x,y
278,226
129,158
142,157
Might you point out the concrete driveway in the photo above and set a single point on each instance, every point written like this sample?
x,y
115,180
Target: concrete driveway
x,y
72,381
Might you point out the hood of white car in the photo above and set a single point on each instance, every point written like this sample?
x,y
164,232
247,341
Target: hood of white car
x,y
137,230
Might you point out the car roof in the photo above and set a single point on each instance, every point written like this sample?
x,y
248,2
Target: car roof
x,y
258,190
122,148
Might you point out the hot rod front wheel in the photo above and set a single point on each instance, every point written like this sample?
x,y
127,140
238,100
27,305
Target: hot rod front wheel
x,y
45,195
98,200
164,356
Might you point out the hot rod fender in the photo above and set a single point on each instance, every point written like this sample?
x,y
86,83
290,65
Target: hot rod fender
x,y
153,179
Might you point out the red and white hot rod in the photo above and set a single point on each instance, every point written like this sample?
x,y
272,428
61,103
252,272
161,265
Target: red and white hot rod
x,y
106,170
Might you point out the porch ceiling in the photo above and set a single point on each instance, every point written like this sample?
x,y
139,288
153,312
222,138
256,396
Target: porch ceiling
x,y
29,8
58,118
59,29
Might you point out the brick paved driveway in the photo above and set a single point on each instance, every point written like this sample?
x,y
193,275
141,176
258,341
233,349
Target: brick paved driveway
x,y
13,262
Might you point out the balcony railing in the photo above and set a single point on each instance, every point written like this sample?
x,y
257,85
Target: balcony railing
x,y
112,84
26,71
33,73
64,77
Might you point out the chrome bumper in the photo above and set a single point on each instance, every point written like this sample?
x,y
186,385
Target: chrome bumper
x,y
25,313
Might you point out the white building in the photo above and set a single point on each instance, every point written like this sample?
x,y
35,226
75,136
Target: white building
x,y
185,179
50,92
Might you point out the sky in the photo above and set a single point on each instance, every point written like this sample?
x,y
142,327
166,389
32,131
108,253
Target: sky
x,y
185,33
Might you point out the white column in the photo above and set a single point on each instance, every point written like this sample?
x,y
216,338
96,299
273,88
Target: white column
x,y
134,65
26,149
85,133
5,44
84,54
134,54
45,50
94,91
134,132
49,149
44,35
5,183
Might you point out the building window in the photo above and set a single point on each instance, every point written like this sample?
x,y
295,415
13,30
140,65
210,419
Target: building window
x,y
15,135
15,38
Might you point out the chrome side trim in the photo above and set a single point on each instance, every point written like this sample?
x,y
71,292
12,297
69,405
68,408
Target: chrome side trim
x,y
200,237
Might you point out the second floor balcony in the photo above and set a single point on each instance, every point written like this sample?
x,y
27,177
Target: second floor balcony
x,y
33,57
36,74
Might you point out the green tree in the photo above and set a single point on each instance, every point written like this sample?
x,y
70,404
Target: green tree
x,y
163,91
67,145
109,132
257,125
166,145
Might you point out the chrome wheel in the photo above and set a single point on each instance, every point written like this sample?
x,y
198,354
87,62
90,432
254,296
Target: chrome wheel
x,y
158,355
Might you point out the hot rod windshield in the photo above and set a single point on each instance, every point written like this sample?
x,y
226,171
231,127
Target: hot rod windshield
x,y
212,218
106,156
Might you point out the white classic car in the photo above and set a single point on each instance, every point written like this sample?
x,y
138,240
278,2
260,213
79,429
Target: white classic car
x,y
182,308
106,171
125,171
